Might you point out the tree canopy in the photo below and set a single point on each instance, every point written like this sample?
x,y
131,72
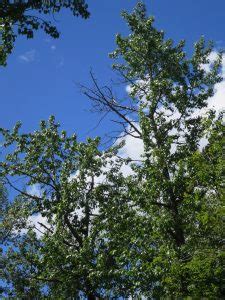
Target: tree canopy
x,y
80,227
25,17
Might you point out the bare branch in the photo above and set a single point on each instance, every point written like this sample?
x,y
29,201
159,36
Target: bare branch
x,y
106,101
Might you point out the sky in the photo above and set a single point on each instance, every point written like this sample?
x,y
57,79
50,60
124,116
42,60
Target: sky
x,y
42,74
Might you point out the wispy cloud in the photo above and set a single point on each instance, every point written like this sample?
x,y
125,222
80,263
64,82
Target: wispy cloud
x,y
34,190
28,56
61,62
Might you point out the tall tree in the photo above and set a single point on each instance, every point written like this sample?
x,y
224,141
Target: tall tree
x,y
25,17
157,232
178,185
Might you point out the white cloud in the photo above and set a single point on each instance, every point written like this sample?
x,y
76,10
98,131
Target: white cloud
x,y
28,56
128,89
134,147
35,222
140,88
34,190
212,57
216,102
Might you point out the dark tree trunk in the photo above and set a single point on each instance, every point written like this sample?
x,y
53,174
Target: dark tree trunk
x,y
91,297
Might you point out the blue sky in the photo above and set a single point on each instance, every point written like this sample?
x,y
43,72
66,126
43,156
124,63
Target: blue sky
x,y
41,73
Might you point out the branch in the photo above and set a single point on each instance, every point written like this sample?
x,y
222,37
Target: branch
x,y
73,231
50,230
43,225
101,98
161,204
35,178
22,192
46,279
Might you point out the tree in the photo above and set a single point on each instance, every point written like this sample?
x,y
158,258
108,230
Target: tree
x,y
57,244
16,19
177,187
157,232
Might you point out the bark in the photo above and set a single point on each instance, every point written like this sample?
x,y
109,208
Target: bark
x,y
91,297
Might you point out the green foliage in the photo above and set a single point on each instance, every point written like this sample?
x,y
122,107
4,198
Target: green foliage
x,y
157,232
177,188
65,171
3,208
16,19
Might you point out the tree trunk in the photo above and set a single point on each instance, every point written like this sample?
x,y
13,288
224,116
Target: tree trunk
x,y
91,297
